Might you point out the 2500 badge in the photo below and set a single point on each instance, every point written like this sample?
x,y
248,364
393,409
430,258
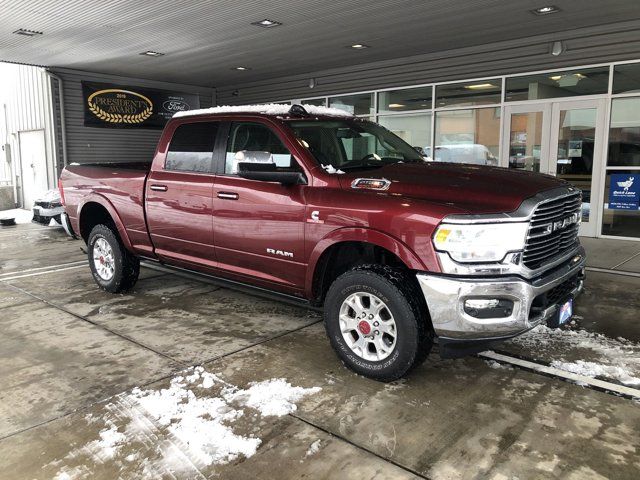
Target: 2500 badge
x,y
120,106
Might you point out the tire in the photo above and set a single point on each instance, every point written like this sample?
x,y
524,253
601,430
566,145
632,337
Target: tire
x,y
394,354
114,268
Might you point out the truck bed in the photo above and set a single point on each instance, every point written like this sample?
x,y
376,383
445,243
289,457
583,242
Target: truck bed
x,y
121,184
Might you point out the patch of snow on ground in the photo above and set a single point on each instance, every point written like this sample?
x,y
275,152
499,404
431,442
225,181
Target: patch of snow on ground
x,y
269,109
271,397
22,216
313,448
591,369
497,365
180,428
617,359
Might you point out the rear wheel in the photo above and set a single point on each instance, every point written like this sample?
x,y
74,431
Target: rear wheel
x,y
376,323
113,267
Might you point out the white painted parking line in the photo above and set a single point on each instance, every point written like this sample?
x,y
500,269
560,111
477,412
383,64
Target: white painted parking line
x,y
45,272
574,377
78,262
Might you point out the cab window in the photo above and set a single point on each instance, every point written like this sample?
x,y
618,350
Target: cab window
x,y
191,148
256,143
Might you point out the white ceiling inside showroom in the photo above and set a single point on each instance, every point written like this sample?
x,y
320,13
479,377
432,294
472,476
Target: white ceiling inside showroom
x,y
203,40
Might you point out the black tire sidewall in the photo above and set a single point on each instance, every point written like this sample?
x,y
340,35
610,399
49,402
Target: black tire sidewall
x,y
406,349
102,231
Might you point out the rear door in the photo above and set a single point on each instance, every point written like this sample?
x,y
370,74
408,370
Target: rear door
x,y
179,196
259,226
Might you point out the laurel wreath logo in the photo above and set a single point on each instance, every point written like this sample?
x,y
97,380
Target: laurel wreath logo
x,y
132,118
119,118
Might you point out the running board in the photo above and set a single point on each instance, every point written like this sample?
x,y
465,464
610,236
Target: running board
x,y
224,282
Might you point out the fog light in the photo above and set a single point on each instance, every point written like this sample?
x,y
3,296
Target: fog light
x,y
488,307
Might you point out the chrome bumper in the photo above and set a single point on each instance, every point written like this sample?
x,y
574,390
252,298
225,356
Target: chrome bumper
x,y
445,297
66,224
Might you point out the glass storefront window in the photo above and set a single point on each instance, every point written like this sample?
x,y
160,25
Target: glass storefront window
x,y
481,92
621,214
624,133
405,100
413,129
318,102
468,136
525,144
360,104
626,78
570,83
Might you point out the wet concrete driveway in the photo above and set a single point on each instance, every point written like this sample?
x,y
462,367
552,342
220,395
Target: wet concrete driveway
x,y
77,365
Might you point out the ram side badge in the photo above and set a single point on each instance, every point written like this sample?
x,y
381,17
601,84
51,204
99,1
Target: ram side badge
x,y
371,183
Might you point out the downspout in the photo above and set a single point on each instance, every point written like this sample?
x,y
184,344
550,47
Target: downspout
x,y
63,126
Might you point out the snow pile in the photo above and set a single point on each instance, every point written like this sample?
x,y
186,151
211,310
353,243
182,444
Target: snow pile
x,y
617,359
591,369
271,397
200,423
268,109
21,216
188,425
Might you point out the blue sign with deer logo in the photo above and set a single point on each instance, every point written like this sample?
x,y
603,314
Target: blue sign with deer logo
x,y
624,192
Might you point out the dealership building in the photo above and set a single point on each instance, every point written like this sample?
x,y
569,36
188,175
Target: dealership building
x,y
460,81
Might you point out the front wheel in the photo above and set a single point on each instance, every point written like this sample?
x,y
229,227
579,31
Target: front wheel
x,y
375,322
113,267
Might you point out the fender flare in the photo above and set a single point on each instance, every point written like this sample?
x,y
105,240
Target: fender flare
x,y
104,202
359,234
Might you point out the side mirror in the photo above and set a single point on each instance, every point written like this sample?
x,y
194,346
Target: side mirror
x,y
268,172
420,150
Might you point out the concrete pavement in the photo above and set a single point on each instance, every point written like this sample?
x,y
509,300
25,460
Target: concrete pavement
x,y
70,354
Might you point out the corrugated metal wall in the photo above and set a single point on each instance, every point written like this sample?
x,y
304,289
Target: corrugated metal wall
x,y
25,97
604,43
91,145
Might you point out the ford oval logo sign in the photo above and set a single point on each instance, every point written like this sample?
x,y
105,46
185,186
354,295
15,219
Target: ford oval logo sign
x,y
175,106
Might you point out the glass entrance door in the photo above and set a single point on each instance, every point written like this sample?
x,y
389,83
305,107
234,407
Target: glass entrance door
x,y
562,138
576,153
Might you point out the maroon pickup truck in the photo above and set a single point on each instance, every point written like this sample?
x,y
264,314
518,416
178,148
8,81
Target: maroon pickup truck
x,y
322,208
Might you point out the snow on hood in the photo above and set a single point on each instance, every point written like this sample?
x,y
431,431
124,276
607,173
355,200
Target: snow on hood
x,y
268,109
52,195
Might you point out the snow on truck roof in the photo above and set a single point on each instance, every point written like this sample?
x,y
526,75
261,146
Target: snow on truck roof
x,y
267,109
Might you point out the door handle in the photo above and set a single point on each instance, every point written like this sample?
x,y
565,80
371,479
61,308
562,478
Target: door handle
x,y
159,188
228,195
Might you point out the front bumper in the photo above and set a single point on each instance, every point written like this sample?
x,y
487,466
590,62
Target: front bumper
x,y
534,302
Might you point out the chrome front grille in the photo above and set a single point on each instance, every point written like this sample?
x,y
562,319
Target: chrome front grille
x,y
553,229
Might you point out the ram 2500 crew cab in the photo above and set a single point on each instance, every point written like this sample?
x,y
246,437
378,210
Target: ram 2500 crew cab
x,y
321,207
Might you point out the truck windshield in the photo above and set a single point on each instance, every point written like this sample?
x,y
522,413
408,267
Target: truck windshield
x,y
352,144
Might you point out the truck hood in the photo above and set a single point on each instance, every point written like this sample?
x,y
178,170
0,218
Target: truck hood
x,y
474,188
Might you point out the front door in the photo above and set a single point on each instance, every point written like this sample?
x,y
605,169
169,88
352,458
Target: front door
x,y
561,138
33,165
259,226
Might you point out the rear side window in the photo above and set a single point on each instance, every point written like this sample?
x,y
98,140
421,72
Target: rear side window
x,y
191,148
254,142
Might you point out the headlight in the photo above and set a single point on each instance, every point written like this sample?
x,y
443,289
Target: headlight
x,y
480,242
